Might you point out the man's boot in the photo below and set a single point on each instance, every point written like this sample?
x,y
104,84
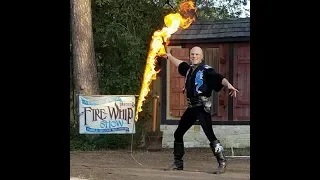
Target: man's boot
x,y
217,150
178,152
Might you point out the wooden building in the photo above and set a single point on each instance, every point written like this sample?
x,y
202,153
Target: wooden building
x,y
226,46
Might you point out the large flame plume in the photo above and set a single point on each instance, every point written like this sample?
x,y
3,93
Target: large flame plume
x,y
173,22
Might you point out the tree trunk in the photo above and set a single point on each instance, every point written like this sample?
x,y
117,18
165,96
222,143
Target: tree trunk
x,y
85,66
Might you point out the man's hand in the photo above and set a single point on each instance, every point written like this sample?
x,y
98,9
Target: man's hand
x,y
166,56
233,91
174,60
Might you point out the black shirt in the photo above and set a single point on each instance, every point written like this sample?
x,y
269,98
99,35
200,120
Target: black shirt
x,y
213,79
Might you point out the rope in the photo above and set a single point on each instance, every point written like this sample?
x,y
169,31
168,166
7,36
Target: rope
x,y
132,146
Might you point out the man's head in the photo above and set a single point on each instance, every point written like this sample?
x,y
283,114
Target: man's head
x,y
196,55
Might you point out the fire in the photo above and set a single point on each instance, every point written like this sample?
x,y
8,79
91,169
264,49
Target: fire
x,y
173,22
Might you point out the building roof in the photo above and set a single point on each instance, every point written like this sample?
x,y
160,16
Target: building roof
x,y
214,29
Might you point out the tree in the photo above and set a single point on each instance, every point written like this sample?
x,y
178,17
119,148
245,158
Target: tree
x,y
84,63
220,9
211,9
122,34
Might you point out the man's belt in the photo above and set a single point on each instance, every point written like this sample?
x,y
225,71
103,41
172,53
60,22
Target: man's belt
x,y
200,101
194,105
193,102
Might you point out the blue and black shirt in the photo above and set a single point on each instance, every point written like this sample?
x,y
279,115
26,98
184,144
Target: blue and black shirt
x,y
201,81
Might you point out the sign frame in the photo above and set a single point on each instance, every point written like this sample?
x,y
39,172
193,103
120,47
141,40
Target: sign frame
x,y
106,114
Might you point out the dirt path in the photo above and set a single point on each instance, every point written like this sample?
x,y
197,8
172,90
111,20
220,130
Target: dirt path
x,y
119,165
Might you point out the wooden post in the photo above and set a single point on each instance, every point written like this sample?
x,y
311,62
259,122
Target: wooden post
x,y
154,113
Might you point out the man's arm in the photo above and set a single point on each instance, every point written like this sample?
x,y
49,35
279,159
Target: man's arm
x,y
218,81
174,60
226,83
181,65
214,79
218,78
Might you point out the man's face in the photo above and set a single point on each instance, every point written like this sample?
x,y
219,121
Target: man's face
x,y
196,55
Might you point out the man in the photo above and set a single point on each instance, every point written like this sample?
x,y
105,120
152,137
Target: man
x,y
200,80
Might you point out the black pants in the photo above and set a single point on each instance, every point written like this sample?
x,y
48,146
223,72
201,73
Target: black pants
x,y
187,120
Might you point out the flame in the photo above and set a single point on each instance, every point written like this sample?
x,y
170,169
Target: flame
x,y
173,22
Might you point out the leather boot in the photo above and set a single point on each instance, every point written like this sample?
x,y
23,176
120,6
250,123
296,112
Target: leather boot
x,y
217,150
178,152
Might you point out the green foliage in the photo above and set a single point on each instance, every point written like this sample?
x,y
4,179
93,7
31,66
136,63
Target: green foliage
x,y
212,9
220,9
122,32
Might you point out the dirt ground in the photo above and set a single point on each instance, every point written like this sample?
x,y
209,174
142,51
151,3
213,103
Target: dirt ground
x,y
120,165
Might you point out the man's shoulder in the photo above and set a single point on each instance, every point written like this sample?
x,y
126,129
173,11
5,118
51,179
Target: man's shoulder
x,y
183,68
207,67
184,63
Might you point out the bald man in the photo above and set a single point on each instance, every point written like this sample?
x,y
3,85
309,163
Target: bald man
x,y
200,80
